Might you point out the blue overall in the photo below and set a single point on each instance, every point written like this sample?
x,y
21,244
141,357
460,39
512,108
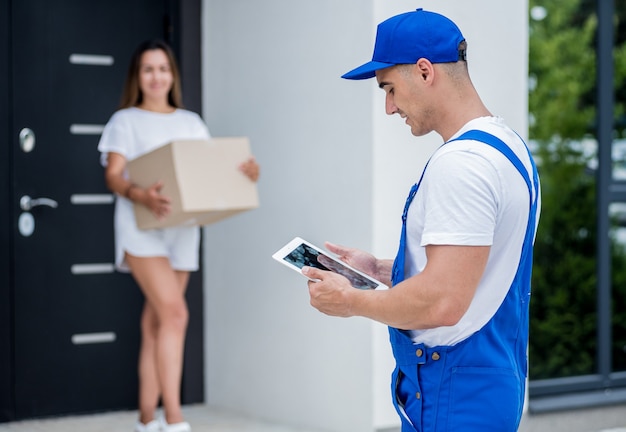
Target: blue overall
x,y
479,383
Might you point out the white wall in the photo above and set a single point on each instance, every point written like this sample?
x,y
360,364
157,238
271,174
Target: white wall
x,y
272,73
334,167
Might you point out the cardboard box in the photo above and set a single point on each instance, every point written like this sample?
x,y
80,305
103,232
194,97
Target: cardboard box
x,y
202,179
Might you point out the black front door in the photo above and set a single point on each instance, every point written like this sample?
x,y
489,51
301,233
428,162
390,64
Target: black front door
x,y
74,320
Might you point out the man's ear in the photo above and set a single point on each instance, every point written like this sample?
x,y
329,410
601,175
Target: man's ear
x,y
424,68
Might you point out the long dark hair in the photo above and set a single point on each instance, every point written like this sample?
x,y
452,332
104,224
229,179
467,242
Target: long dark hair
x,y
132,96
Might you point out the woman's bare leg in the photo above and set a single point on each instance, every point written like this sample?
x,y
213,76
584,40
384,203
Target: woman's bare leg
x,y
161,286
149,391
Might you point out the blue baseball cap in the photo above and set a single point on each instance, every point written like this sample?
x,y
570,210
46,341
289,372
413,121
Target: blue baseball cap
x,y
405,38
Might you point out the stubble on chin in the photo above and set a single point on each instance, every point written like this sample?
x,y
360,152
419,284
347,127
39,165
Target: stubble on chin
x,y
423,124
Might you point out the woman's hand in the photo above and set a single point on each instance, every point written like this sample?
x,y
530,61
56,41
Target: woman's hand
x,y
251,169
159,205
151,197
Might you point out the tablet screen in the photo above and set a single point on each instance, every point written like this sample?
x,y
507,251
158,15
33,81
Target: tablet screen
x,y
305,255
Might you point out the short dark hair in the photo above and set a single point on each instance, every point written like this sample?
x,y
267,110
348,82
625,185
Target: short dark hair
x,y
463,51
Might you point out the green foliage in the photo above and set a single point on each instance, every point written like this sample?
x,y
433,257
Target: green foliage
x,y
562,71
563,67
564,279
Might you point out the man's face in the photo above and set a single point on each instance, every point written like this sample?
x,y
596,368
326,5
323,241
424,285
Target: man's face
x,y
406,96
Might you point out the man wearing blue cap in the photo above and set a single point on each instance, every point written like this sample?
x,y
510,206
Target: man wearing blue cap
x,y
458,308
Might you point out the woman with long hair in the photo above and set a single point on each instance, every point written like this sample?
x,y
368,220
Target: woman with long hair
x,y
159,260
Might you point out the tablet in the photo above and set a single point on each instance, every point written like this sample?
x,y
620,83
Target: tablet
x,y
299,253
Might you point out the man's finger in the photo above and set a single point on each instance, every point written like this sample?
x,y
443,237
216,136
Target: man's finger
x,y
336,249
312,272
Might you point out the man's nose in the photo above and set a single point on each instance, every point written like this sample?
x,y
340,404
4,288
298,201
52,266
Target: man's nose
x,y
390,107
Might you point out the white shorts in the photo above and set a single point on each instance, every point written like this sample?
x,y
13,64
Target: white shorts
x,y
179,244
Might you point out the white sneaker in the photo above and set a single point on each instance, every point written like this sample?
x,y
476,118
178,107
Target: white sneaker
x,y
176,427
152,426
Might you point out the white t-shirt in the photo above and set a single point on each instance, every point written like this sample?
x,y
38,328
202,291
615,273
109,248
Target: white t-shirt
x,y
133,132
471,195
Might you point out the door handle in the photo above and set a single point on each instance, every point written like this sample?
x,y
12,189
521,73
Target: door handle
x,y
27,203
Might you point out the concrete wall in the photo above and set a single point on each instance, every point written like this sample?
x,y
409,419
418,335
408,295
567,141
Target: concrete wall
x,y
334,167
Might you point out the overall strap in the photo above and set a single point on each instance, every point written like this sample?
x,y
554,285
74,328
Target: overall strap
x,y
397,271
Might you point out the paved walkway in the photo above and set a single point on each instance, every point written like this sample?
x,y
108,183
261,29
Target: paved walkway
x,y
201,418
205,419
602,419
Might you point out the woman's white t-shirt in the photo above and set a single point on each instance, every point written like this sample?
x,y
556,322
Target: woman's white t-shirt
x,y
132,132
